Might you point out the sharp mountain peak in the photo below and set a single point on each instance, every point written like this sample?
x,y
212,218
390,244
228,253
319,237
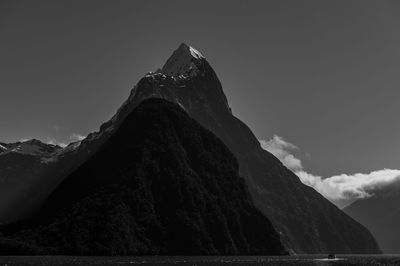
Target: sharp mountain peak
x,y
183,61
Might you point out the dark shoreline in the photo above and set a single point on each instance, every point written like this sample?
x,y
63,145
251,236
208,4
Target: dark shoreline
x,y
318,259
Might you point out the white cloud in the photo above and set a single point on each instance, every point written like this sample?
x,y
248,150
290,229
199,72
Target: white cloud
x,y
341,189
344,189
72,138
53,141
283,151
76,137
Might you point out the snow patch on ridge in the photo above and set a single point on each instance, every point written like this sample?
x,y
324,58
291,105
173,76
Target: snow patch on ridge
x,y
196,54
31,147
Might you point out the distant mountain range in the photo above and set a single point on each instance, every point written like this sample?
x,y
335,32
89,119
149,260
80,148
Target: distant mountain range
x,y
22,165
305,221
381,215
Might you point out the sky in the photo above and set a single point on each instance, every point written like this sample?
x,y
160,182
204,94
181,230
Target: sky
x,y
318,80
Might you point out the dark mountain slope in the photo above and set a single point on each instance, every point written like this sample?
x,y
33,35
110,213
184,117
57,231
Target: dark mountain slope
x,y
22,165
381,215
308,223
162,184
31,170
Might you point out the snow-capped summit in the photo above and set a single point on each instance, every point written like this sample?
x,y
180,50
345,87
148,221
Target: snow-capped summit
x,y
183,62
32,147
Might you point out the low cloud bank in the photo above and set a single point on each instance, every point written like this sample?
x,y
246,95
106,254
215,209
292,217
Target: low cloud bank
x,y
344,189
283,151
341,189
76,137
72,138
53,141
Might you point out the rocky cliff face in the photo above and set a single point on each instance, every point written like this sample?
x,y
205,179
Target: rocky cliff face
x,y
161,184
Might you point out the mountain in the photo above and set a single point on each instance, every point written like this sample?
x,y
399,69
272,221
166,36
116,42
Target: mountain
x,y
306,221
161,184
381,215
22,164
31,170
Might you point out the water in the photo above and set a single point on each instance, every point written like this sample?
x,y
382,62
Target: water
x,y
202,260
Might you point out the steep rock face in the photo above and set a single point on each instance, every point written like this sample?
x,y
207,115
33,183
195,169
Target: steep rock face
x,y
381,215
307,222
161,184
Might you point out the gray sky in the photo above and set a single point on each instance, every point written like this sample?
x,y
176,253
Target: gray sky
x,y
324,75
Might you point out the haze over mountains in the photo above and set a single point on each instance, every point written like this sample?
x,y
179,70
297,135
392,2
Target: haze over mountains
x,y
305,220
380,213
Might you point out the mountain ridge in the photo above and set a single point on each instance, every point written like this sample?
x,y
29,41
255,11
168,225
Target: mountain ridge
x,y
22,163
162,184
